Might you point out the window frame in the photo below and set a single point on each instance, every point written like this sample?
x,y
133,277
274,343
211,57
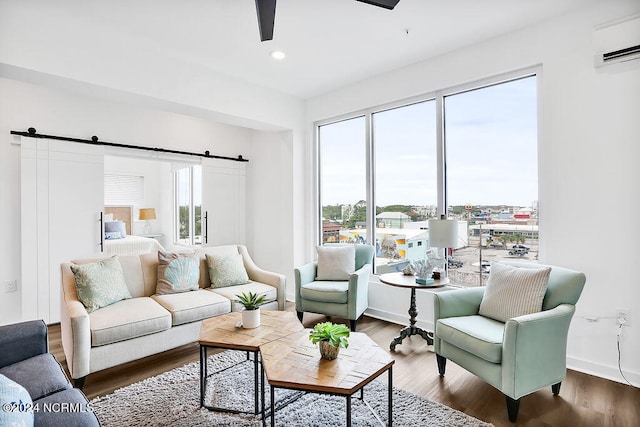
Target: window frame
x,y
176,207
438,96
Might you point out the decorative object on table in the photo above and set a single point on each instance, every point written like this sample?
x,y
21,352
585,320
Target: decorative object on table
x,y
408,270
332,337
422,269
147,214
251,314
443,234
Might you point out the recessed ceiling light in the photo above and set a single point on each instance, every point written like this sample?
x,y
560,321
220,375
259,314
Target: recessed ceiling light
x,y
278,54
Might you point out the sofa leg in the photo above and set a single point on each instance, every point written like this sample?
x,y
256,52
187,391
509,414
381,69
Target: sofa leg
x,y
513,405
555,388
442,364
79,382
300,315
353,324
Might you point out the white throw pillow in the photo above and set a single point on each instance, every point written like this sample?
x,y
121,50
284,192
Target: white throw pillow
x,y
336,262
513,291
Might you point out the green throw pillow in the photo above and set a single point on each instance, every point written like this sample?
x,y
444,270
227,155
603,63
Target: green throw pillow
x,y
100,283
177,272
226,270
17,406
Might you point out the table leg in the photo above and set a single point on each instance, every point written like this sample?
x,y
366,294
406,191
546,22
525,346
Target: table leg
x,y
262,383
349,410
255,381
273,406
390,389
203,373
412,329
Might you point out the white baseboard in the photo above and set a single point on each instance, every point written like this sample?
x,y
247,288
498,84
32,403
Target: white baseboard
x,y
599,370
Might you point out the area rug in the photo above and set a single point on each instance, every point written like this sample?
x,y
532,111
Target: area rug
x,y
172,399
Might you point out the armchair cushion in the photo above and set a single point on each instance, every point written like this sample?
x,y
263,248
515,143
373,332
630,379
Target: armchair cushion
x,y
336,262
326,291
513,291
476,334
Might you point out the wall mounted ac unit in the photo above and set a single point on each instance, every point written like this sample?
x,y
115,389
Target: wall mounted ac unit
x,y
617,42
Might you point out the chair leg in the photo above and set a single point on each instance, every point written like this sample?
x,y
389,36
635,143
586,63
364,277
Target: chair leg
x,y
442,364
353,324
513,405
300,315
79,382
555,388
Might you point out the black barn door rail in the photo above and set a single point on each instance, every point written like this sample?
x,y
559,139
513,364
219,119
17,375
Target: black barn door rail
x,y
32,133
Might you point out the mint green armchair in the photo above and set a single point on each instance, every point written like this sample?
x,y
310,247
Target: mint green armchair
x,y
346,299
518,357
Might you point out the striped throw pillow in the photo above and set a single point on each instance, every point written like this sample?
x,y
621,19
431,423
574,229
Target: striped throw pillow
x,y
513,291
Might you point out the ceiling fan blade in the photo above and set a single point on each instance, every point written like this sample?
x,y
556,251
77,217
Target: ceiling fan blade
x,y
266,16
387,4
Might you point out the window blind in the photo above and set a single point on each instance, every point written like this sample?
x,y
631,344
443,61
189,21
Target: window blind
x,y
123,190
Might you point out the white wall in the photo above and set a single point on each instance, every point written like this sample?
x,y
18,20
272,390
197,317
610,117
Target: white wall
x,y
270,199
63,112
588,172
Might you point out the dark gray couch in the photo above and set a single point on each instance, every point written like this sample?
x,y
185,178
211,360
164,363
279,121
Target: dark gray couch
x,y
25,359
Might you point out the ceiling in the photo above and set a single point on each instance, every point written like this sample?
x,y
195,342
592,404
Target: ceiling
x,y
329,43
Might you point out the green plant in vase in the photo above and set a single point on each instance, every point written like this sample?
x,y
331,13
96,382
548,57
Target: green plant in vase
x,y
251,303
331,337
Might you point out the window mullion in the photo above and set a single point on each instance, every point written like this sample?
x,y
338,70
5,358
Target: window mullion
x,y
441,156
371,206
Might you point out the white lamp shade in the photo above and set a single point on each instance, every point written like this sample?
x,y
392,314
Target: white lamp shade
x,y
443,233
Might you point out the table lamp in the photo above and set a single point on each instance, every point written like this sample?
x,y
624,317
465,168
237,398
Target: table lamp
x,y
443,233
145,215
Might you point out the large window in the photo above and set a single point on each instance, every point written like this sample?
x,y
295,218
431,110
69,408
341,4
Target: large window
x,y
405,182
343,193
470,153
188,205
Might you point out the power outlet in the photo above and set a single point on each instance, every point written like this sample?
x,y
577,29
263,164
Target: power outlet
x,y
623,316
11,286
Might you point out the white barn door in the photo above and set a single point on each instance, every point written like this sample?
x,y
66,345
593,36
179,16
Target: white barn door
x,y
62,200
223,202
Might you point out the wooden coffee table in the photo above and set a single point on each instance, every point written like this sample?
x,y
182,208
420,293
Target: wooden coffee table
x,y
222,332
293,362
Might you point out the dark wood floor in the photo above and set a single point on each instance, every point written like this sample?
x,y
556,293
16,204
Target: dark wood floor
x,y
584,400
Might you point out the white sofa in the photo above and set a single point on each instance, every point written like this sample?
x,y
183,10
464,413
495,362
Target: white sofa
x,y
148,323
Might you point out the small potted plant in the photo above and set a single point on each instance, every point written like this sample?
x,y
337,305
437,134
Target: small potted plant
x,y
251,313
331,337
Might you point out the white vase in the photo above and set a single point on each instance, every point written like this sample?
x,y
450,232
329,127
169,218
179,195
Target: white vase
x,y
251,318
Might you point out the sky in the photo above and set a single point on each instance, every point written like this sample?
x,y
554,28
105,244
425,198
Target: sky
x,y
491,145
